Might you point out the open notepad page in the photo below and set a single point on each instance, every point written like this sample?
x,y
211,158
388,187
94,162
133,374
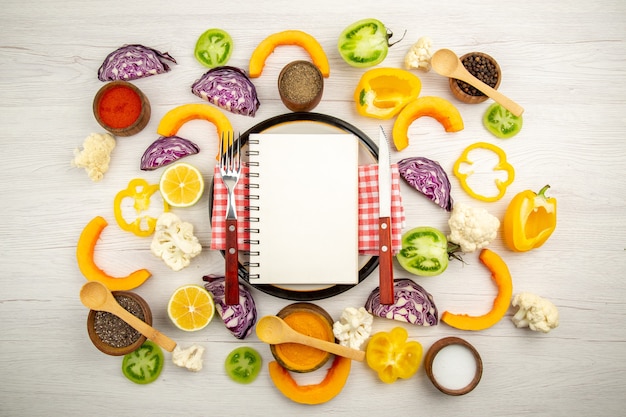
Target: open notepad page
x,y
307,208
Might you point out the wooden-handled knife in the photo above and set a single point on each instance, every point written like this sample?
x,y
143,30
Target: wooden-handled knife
x,y
385,256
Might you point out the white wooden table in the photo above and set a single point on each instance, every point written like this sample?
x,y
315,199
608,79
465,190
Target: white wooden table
x,y
563,61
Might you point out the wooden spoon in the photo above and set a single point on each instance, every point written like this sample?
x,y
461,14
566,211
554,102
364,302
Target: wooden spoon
x,y
97,296
447,63
274,330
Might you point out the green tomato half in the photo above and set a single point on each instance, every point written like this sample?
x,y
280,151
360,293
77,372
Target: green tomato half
x,y
364,43
243,364
145,364
424,251
213,48
501,122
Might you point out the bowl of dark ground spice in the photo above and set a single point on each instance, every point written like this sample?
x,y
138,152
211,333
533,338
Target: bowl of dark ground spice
x,y
114,336
300,85
481,66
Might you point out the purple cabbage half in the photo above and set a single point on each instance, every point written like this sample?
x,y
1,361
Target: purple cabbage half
x,y
165,150
412,304
240,318
429,178
131,62
228,88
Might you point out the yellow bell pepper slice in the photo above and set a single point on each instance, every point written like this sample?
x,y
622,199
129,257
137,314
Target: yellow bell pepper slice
x,y
392,356
141,193
529,220
501,165
382,92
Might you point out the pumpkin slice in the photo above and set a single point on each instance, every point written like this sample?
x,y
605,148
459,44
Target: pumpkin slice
x,y
502,277
84,255
436,107
320,393
178,116
288,37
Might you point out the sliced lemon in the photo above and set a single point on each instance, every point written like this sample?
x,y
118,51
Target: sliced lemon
x,y
181,185
191,308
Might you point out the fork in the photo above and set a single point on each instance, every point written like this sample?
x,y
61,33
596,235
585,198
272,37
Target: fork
x,y
230,170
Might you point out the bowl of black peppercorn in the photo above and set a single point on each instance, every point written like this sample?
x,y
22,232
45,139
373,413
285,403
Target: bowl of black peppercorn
x,y
481,66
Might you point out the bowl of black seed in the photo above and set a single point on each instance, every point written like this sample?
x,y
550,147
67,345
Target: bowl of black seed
x,y
481,66
300,86
114,336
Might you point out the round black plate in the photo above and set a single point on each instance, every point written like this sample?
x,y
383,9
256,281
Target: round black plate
x,y
371,262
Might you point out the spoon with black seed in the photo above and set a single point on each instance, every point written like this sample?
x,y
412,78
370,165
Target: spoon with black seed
x,y
97,296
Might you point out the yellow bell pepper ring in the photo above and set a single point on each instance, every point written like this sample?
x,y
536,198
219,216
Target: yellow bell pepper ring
x,y
501,165
141,193
382,92
392,356
529,220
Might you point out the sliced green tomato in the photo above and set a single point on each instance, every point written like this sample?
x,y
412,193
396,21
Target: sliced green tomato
x,y
364,43
501,122
243,364
144,365
424,251
213,48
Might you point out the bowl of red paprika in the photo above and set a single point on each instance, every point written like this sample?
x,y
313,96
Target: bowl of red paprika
x,y
121,108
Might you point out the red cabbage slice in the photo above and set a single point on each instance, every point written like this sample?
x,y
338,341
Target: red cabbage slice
x,y
429,178
238,318
228,88
131,62
413,304
165,150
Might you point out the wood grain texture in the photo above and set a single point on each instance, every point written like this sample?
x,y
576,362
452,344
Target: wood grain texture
x,y
563,61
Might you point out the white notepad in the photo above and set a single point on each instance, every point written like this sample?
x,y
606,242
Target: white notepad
x,y
307,218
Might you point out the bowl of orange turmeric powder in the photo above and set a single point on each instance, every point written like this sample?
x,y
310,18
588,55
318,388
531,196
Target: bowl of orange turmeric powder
x,y
121,108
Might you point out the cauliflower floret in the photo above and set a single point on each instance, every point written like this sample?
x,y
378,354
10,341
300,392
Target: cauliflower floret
x,y
95,156
174,241
472,228
419,54
354,327
535,312
190,358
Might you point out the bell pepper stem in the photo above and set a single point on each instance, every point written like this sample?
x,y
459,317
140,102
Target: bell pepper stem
x,y
542,192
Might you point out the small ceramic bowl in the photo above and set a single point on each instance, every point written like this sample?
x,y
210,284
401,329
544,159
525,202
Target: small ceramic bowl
x,y
108,348
300,85
459,364
121,108
459,93
293,358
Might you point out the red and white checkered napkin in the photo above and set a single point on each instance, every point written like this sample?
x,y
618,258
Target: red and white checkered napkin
x,y
368,210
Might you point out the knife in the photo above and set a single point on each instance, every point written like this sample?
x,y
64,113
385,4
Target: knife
x,y
385,265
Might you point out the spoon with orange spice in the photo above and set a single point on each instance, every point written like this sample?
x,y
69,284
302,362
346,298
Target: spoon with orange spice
x,y
274,330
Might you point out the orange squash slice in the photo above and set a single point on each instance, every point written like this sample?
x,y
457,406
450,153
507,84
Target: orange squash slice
x,y
436,107
320,393
502,277
84,255
288,37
